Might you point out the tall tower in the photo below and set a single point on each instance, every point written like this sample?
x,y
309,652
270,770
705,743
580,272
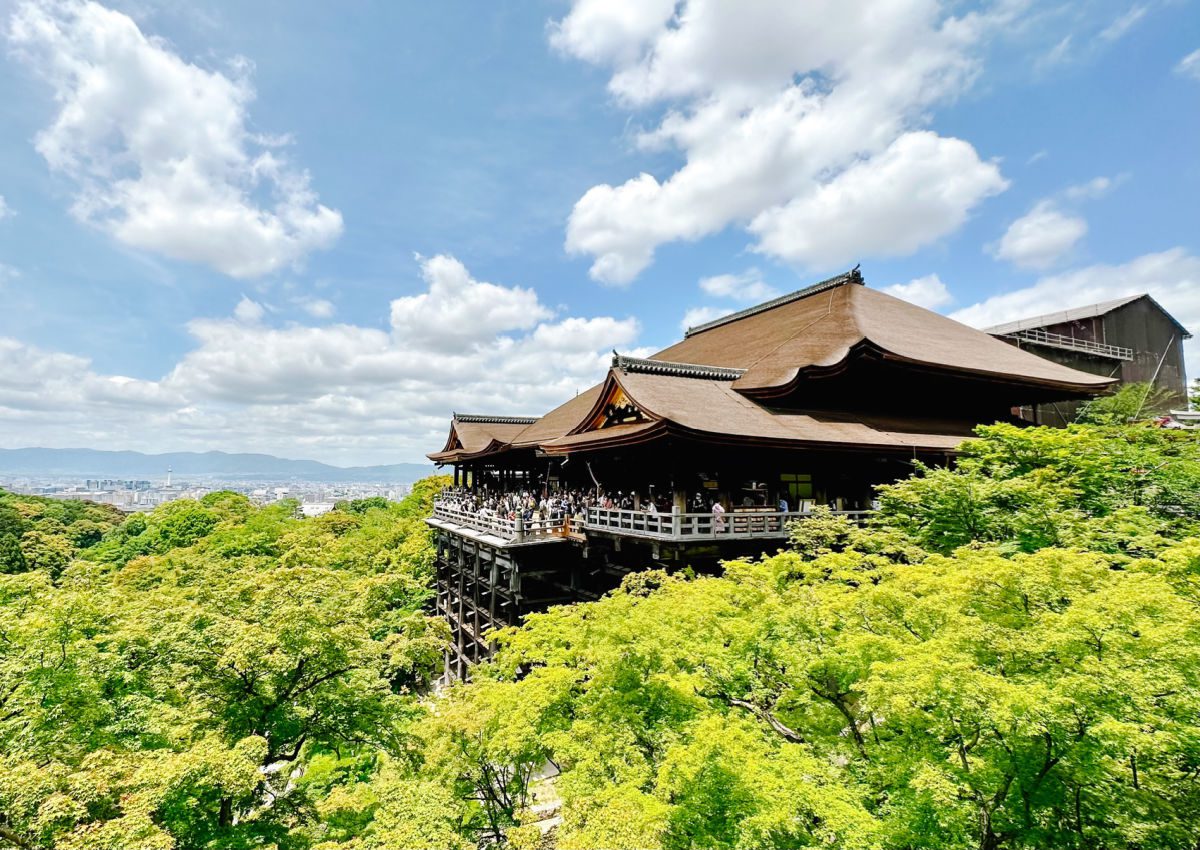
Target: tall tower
x,y
168,476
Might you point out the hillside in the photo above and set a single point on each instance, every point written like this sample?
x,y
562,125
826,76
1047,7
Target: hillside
x,y
126,464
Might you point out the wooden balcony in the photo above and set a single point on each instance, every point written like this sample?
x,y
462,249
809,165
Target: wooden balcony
x,y
675,527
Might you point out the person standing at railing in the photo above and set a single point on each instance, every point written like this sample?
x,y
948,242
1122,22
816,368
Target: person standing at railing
x,y
718,512
783,504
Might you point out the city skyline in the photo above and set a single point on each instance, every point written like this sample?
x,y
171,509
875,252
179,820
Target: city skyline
x,y
208,241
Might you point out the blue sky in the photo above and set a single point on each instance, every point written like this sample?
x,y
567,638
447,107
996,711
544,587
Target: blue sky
x,y
316,229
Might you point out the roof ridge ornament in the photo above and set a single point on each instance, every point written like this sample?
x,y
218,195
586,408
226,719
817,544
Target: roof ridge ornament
x,y
645,366
494,420
852,276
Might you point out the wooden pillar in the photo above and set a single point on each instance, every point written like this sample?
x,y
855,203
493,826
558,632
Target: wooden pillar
x,y
514,592
461,624
476,651
494,582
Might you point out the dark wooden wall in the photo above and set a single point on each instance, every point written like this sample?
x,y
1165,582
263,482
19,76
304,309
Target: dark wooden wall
x,y
1140,325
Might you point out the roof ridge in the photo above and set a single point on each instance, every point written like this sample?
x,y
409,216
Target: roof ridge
x,y
650,366
494,420
1083,311
852,276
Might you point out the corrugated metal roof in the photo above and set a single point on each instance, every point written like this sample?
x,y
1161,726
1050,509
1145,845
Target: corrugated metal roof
x,y
1075,314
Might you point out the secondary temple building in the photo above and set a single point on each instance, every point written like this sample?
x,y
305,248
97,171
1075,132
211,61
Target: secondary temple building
x,y
1132,339
709,448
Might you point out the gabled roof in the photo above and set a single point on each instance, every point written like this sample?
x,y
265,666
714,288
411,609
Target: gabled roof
x,y
1077,314
472,435
711,409
558,421
707,384
816,330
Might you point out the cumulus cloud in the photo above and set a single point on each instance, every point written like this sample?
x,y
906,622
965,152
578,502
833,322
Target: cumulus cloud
x,y
1171,277
458,312
785,114
159,149
5,209
318,308
928,292
1040,238
1189,66
248,311
919,189
341,392
747,287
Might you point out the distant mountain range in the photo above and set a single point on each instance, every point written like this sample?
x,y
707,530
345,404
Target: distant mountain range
x,y
92,463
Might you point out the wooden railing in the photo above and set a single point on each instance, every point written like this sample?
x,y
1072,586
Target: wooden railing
x,y
1039,336
510,530
701,526
674,526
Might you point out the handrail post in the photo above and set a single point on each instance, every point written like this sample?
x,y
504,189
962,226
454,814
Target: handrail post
x,y
675,522
520,528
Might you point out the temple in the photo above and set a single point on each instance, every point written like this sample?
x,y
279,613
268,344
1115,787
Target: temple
x,y
1132,339
710,448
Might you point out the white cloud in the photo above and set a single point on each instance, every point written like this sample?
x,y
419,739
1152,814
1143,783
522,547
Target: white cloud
x,y
1124,23
1095,188
5,209
928,292
318,308
1056,55
1171,277
248,311
1041,237
781,111
459,312
159,149
747,287
1189,66
699,315
918,190
8,273
341,392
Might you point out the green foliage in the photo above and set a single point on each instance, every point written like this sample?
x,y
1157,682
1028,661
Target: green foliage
x,y
170,686
1005,658
978,700
40,533
1131,403
12,559
361,506
1032,487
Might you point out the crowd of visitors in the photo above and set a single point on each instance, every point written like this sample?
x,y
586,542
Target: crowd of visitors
x,y
557,505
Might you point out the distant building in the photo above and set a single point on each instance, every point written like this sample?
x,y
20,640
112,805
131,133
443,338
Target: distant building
x,y
1132,339
311,509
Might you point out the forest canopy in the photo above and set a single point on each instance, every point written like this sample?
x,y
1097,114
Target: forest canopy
x,y
1006,656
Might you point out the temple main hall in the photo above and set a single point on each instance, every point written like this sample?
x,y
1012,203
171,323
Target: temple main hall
x,y
711,447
